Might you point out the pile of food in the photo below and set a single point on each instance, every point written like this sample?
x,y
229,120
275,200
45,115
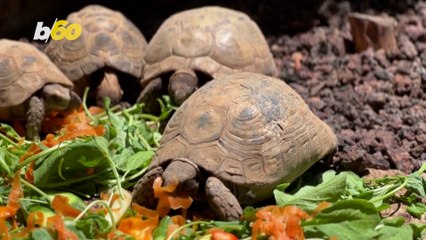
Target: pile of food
x,y
193,137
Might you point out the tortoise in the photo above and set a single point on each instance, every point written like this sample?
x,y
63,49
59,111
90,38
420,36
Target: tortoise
x,y
31,85
234,140
200,44
108,43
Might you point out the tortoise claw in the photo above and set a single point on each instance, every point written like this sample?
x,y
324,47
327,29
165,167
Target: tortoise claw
x,y
222,201
143,192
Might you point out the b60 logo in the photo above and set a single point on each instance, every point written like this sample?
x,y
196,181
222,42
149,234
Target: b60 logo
x,y
60,30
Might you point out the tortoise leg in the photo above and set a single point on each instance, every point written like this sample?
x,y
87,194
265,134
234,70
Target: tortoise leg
x,y
109,87
35,115
149,96
183,172
222,201
143,192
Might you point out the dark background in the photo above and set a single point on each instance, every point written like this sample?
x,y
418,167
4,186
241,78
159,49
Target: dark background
x,y
275,17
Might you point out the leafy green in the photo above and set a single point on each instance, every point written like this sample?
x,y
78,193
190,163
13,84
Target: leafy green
x,y
393,233
417,209
346,219
93,224
69,163
40,233
332,188
160,232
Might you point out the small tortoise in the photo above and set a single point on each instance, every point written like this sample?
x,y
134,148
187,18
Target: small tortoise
x,y
234,140
197,45
108,43
30,85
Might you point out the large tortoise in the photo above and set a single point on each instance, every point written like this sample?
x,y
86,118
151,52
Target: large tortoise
x,y
30,85
194,46
234,140
109,44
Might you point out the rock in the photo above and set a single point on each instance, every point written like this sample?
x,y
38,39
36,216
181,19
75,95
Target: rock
x,y
372,31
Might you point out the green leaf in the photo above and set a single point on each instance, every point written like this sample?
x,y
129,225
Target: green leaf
x,y
92,225
417,209
73,200
416,184
160,232
136,161
249,214
385,232
70,162
347,219
308,197
393,221
419,230
9,131
8,161
40,234
121,158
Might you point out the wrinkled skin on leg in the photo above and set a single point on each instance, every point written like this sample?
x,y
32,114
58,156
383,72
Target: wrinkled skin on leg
x,y
35,115
183,171
53,97
222,201
109,87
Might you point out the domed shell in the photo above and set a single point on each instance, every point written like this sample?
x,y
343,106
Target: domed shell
x,y
23,71
251,131
107,39
213,40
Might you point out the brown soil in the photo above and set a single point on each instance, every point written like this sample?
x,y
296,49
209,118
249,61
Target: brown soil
x,y
374,100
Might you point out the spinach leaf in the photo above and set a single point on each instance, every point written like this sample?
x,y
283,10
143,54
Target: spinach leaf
x,y
347,219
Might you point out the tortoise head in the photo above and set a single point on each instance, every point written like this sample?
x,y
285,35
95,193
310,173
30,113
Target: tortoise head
x,y
182,84
56,96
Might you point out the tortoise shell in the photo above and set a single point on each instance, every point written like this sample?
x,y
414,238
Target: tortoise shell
x,y
251,131
23,71
107,39
213,40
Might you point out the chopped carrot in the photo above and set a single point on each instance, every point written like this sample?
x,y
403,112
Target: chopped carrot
x,y
144,212
220,234
57,223
60,205
279,222
96,110
142,224
177,221
4,230
13,202
35,218
138,228
167,200
320,207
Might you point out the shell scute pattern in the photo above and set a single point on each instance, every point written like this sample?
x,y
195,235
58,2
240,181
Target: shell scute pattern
x,y
252,136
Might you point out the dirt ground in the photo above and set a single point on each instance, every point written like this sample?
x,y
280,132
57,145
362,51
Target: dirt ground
x,y
374,100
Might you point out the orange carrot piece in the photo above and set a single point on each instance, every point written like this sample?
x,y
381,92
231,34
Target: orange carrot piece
x,y
58,224
4,230
60,205
13,202
167,200
35,218
279,223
